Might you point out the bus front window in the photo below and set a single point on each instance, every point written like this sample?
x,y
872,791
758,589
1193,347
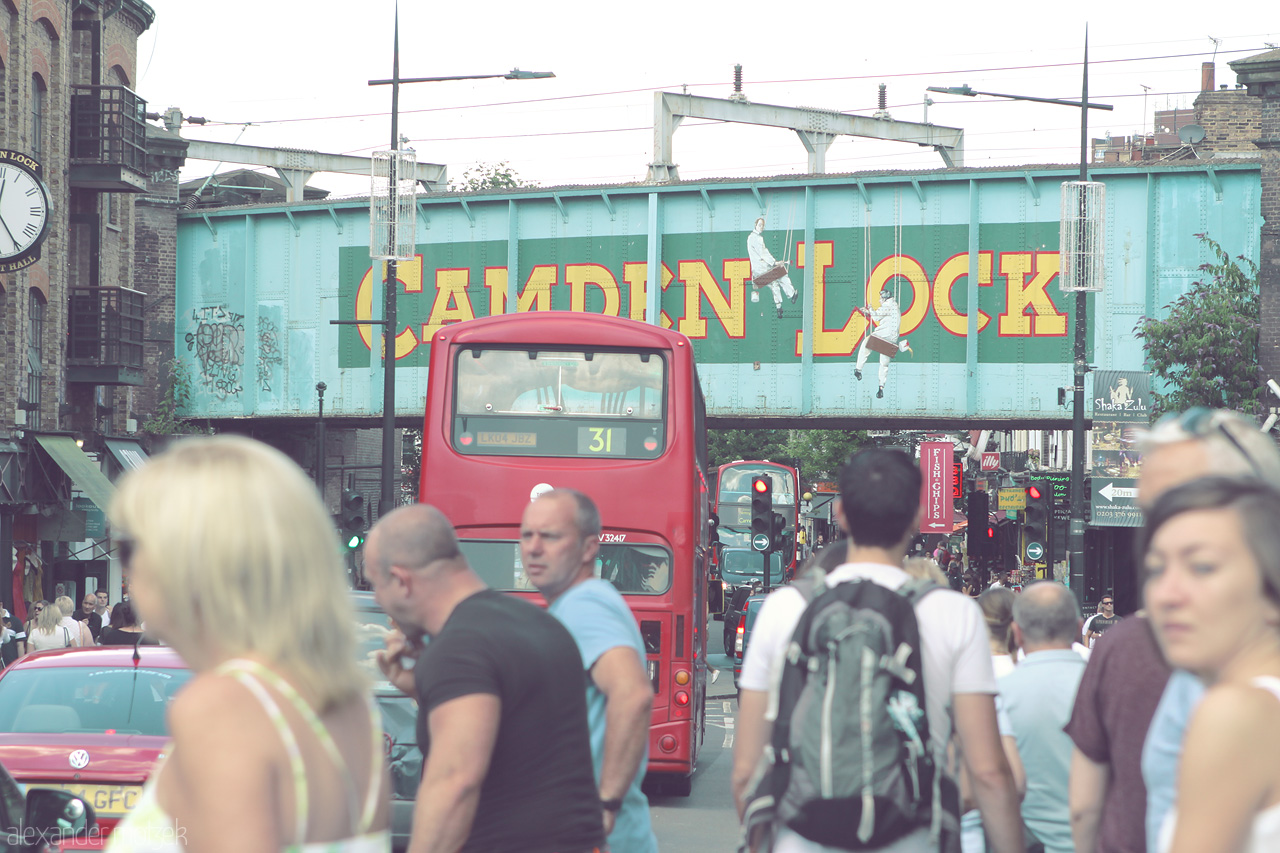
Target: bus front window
x,y
559,403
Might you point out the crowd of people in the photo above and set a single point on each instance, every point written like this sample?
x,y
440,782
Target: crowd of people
x,y
1008,732
59,624
1158,732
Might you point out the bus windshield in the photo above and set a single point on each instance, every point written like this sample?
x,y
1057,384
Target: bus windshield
x,y
633,569
558,403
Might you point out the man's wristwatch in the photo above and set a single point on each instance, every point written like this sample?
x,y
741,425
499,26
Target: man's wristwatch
x,y
611,805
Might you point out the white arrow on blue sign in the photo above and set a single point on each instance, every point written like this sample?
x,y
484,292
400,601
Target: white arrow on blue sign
x,y
1034,551
760,542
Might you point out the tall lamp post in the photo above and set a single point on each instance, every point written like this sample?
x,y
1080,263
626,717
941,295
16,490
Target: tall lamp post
x,y
1082,273
399,225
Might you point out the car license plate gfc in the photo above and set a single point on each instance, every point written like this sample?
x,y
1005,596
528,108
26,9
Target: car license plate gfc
x,y
112,801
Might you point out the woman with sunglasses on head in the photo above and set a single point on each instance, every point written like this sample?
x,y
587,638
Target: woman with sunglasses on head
x,y
1212,586
233,561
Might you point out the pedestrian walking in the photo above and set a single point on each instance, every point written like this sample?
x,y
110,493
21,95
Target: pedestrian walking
x,y
1038,696
48,630
997,612
79,631
1105,619
502,715
124,629
559,541
1182,447
276,743
88,615
879,491
1212,561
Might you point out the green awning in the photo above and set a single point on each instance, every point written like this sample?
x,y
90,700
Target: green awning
x,y
82,470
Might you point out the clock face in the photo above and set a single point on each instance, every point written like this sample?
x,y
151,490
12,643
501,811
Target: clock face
x,y
24,210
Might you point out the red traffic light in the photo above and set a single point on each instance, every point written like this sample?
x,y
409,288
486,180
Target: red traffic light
x,y
1034,493
760,484
991,531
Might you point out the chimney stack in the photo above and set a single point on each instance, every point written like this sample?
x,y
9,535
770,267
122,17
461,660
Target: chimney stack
x,y
1206,77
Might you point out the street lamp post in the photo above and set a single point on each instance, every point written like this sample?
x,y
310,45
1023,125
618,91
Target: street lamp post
x,y
1075,536
389,463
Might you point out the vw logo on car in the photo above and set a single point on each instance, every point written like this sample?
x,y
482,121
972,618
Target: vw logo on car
x,y
79,759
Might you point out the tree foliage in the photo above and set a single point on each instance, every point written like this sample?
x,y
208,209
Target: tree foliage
x,y
728,445
818,453
1206,349
490,176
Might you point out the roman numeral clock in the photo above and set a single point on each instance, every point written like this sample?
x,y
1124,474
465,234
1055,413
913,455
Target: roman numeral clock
x,y
24,211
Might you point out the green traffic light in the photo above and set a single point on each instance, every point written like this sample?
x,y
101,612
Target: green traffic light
x,y
354,541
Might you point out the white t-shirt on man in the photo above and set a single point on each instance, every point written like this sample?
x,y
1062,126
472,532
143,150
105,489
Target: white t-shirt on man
x,y
955,655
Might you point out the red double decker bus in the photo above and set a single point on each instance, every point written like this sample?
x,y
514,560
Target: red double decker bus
x,y
733,508
522,403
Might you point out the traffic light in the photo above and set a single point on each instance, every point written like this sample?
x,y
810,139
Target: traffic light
x,y
1037,525
980,537
762,511
352,522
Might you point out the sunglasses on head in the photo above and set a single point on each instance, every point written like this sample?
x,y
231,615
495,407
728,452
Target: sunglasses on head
x,y
1202,421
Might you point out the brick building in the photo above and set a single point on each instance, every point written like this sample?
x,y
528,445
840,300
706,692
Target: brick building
x,y
1221,123
83,329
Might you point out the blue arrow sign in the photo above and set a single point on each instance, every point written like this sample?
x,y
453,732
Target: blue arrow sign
x,y
760,542
1034,551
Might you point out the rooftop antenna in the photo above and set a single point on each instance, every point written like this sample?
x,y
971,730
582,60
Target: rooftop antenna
x,y
1145,91
1217,43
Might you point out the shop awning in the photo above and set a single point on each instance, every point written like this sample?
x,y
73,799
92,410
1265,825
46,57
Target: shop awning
x,y
127,452
82,470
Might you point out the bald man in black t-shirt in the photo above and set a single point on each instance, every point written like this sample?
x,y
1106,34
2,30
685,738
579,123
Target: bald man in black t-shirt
x,y
502,713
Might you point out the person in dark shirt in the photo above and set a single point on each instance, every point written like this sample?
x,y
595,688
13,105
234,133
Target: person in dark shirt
x,y
124,629
502,719
86,613
1105,619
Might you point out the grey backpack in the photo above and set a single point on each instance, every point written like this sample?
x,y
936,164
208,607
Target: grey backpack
x,y
850,763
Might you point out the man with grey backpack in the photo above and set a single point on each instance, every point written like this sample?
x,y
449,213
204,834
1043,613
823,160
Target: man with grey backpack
x,y
853,684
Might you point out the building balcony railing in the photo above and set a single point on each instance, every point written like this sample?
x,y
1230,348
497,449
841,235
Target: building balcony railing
x,y
108,139
104,344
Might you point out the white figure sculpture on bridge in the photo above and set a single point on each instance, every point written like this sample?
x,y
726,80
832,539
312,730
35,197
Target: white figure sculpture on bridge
x,y
887,320
766,270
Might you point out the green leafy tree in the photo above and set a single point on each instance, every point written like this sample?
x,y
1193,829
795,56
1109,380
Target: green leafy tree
x,y
821,452
727,445
490,176
1206,349
818,453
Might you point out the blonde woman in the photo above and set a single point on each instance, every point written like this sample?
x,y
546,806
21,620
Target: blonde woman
x,y
79,631
233,561
47,630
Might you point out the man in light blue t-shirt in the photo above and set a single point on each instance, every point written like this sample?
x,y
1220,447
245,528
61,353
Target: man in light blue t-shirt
x,y
559,540
1038,696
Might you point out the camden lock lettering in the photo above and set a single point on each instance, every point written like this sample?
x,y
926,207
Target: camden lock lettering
x,y
717,298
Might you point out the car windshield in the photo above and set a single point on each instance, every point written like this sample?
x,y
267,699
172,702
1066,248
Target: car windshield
x,y
115,700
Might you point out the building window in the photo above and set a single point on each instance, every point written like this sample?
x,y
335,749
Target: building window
x,y
37,117
35,360
113,209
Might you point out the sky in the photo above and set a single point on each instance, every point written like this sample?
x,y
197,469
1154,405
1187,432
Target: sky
x,y
295,74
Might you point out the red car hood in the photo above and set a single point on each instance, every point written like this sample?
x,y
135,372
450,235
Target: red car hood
x,y
114,759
